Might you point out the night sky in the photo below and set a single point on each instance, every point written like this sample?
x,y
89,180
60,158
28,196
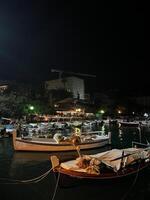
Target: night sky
x,y
105,38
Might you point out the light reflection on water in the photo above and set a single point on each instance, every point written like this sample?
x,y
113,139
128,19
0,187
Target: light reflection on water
x,y
26,165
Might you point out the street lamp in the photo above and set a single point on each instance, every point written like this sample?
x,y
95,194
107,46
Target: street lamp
x,y
31,107
102,111
119,111
145,114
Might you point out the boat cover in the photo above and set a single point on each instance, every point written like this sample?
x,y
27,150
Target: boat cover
x,y
115,158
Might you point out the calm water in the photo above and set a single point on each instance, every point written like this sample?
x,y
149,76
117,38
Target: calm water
x,y
21,165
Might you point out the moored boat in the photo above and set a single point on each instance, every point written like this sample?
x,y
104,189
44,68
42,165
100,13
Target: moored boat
x,y
110,165
133,124
50,144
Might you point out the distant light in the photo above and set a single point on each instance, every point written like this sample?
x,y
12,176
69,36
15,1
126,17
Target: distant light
x,y
46,118
31,107
102,111
133,113
145,114
119,111
78,110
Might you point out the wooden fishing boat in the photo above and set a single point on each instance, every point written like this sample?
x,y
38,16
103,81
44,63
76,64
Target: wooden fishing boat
x,y
117,166
49,144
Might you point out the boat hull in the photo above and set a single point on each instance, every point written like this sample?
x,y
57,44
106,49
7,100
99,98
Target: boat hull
x,y
21,145
67,180
104,176
49,145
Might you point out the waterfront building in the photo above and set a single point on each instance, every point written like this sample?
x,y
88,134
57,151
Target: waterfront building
x,y
71,84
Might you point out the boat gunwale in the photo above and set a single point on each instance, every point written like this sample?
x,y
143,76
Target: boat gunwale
x,y
60,144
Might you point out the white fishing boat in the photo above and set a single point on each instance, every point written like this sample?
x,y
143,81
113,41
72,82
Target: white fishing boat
x,y
87,141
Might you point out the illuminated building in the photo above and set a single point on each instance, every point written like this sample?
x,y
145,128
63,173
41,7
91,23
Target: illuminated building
x,y
71,84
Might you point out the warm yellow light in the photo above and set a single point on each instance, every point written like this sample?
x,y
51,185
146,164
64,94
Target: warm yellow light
x,y
78,110
46,118
119,111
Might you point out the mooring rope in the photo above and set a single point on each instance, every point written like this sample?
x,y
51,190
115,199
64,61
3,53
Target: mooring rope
x,y
56,186
133,183
33,180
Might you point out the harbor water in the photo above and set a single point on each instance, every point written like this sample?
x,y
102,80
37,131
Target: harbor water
x,y
18,166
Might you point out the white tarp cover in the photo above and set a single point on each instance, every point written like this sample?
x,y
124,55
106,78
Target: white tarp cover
x,y
109,157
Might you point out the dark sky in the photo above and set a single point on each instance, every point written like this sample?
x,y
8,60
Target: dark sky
x,y
104,38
